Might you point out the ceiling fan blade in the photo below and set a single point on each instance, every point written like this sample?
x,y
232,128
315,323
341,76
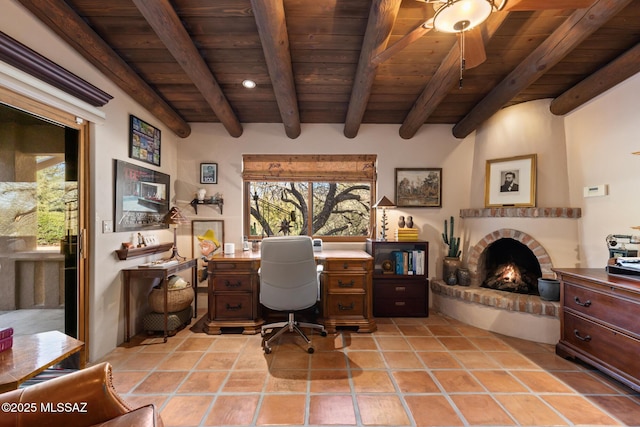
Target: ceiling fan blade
x,y
521,5
405,41
474,52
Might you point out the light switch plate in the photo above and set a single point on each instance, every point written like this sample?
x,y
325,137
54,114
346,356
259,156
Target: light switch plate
x,y
107,226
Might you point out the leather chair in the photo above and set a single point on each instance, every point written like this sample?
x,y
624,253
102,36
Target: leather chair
x,y
83,398
289,281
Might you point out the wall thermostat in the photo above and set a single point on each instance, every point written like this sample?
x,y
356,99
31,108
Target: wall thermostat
x,y
317,245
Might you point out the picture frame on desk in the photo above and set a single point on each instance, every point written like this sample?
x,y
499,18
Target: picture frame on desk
x,y
207,240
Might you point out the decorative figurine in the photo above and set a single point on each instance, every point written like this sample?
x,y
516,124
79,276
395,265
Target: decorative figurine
x,y
409,222
401,221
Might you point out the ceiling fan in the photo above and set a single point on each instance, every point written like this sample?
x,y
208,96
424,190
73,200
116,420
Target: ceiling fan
x,y
465,18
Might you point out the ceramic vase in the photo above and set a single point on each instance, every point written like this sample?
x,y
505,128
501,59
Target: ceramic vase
x,y
549,289
464,277
450,266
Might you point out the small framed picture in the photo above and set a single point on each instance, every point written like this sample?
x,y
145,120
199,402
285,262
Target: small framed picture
x,y
208,173
511,182
419,188
144,143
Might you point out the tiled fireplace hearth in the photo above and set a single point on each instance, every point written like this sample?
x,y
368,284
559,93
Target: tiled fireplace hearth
x,y
509,313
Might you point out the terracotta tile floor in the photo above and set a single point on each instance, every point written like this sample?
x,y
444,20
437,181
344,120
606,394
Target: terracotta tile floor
x,y
431,371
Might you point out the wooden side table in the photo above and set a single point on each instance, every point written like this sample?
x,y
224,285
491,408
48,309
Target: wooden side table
x,y
162,273
32,354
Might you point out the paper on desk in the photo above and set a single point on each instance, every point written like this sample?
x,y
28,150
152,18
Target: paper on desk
x,y
629,262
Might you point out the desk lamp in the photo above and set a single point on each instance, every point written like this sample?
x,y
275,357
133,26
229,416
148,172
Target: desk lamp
x,y
385,204
173,218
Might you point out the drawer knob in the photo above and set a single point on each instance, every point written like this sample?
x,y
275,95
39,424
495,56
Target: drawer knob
x,y
345,307
586,338
341,284
587,303
400,288
234,307
229,284
345,265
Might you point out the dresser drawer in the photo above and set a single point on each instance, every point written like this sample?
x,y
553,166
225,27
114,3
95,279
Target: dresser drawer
x,y
345,305
399,290
337,265
619,312
615,349
233,306
232,282
345,282
399,307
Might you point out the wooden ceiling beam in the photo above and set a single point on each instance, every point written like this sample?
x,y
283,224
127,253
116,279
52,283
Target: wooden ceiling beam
x,y
576,28
272,27
618,70
65,22
444,79
382,16
167,25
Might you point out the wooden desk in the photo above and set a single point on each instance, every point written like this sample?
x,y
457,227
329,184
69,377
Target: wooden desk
x,y
32,354
156,273
345,283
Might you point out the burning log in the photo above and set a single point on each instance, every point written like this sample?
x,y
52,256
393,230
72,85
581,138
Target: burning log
x,y
508,277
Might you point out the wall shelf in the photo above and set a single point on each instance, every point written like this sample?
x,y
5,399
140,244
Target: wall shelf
x,y
217,202
124,254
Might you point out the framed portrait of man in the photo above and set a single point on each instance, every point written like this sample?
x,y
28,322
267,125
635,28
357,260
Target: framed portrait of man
x,y
511,182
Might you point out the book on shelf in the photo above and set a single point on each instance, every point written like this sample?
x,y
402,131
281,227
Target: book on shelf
x,y
406,234
408,262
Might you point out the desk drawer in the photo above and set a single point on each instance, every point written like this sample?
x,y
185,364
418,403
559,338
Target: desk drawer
x,y
338,265
400,290
232,282
399,307
612,309
232,306
345,282
607,345
345,305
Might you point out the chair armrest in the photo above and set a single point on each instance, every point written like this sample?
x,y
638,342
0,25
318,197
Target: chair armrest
x,y
87,397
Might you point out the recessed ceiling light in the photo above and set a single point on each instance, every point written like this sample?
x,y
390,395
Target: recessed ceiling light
x,y
249,84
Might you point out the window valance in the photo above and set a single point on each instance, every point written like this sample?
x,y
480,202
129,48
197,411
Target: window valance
x,y
312,167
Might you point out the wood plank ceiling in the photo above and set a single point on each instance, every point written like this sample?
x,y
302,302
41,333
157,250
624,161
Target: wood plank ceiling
x,y
324,61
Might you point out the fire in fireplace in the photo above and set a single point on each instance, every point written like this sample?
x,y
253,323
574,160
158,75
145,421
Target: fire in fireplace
x,y
511,267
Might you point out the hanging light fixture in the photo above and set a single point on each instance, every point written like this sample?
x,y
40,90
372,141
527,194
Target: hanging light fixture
x,y
459,16
455,16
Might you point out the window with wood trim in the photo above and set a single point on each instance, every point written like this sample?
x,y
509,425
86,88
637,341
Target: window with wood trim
x,y
326,196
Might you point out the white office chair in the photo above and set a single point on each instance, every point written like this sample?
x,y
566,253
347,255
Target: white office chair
x,y
289,281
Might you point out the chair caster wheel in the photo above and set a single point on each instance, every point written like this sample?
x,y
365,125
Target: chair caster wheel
x,y
310,350
267,350
323,333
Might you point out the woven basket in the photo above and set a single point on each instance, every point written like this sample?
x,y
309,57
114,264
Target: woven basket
x,y
177,299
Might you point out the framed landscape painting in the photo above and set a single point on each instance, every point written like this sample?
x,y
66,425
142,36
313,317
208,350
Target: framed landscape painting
x,y
418,188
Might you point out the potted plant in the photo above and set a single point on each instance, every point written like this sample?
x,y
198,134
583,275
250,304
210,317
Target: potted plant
x,y
451,261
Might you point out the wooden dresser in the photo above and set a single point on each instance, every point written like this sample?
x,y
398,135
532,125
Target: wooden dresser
x,y
600,321
234,291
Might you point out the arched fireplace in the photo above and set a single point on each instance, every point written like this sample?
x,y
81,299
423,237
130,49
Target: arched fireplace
x,y
492,260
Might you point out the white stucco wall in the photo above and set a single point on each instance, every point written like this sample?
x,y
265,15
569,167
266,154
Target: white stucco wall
x,y
601,135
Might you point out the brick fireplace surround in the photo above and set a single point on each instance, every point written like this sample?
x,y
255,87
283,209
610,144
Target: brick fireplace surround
x,y
522,315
